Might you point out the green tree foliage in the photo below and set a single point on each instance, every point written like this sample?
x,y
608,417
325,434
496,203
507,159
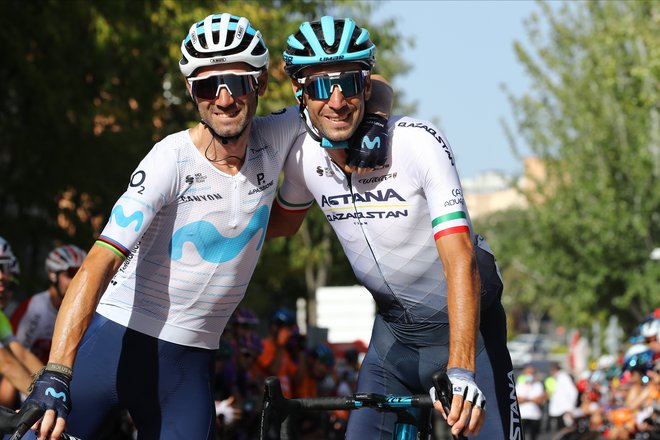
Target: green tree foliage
x,y
593,118
89,87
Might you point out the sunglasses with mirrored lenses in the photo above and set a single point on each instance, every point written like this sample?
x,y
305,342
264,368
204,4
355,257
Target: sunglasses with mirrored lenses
x,y
322,86
237,84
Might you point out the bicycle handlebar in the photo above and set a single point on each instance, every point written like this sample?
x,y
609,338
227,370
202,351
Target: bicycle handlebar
x,y
18,423
277,408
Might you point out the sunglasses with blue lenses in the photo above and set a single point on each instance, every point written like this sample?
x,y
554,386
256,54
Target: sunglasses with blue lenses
x,y
322,86
237,84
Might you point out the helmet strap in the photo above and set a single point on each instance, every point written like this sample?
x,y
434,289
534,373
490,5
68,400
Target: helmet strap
x,y
225,139
313,132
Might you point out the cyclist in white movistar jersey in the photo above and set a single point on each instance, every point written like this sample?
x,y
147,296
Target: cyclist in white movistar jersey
x,y
406,231
176,255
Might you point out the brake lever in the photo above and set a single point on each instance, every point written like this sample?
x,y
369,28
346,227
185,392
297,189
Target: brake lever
x,y
444,395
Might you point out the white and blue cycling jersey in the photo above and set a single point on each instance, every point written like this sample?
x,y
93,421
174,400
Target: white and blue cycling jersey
x,y
388,220
191,234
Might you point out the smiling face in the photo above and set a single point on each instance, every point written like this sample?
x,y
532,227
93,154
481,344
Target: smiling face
x,y
228,112
333,111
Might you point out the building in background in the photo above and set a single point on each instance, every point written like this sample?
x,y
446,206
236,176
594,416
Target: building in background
x,y
494,191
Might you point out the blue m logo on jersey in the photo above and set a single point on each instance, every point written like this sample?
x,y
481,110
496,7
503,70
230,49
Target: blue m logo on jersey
x,y
371,144
213,246
123,221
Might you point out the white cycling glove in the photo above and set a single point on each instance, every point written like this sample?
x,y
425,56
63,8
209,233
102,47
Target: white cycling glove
x,y
463,383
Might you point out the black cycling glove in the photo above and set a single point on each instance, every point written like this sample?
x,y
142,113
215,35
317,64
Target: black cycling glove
x,y
50,390
369,145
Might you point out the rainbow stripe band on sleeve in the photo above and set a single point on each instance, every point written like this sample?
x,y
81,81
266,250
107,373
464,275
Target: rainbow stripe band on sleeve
x,y
293,206
112,245
452,223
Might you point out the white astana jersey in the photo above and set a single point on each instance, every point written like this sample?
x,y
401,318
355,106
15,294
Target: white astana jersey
x,y
191,234
388,220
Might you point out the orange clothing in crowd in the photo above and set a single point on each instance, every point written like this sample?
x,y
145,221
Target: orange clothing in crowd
x,y
287,369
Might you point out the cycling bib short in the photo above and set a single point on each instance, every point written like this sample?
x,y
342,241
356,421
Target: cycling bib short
x,y
387,222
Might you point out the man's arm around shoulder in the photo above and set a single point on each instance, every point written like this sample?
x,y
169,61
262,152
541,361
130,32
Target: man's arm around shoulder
x,y
283,222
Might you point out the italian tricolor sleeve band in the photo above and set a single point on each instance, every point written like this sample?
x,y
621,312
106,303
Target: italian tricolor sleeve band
x,y
112,245
293,206
452,223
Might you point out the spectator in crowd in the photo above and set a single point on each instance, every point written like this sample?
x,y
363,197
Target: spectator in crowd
x,y
275,359
317,372
9,272
563,398
347,373
531,395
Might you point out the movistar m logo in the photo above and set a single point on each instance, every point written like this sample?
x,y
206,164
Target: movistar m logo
x,y
368,143
123,221
211,245
50,391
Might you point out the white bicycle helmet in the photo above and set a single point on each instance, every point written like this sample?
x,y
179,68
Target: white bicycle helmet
x,y
222,39
650,329
7,257
65,257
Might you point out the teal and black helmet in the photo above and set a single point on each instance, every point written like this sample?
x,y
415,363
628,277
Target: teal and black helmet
x,y
327,41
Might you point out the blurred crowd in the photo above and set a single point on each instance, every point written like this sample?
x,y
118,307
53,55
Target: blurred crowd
x,y
250,350
617,398
246,357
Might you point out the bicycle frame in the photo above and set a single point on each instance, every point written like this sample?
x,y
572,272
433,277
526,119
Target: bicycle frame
x,y
278,412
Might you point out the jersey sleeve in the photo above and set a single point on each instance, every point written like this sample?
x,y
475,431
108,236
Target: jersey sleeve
x,y
284,127
151,186
439,179
293,194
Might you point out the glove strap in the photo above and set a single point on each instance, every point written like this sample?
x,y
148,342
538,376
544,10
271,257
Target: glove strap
x,y
60,368
461,372
51,366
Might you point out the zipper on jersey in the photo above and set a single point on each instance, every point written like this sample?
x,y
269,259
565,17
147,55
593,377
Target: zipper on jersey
x,y
349,177
235,201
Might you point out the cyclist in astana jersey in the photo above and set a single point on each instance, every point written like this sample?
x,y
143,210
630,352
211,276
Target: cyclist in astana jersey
x,y
406,231
176,254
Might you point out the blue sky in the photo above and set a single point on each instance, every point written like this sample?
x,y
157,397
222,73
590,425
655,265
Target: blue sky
x,y
463,54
